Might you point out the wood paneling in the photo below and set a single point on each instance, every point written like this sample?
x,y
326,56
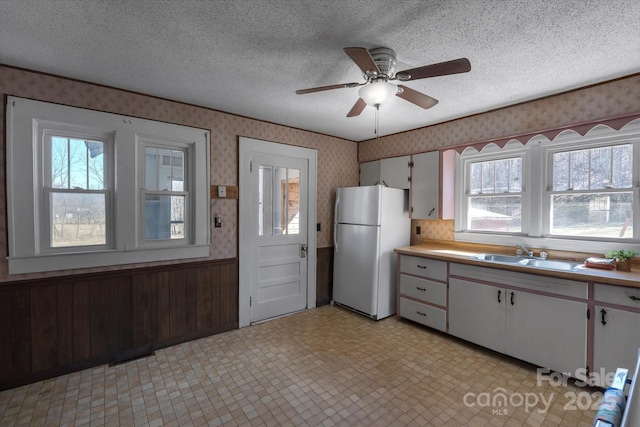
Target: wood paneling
x,y
324,276
53,326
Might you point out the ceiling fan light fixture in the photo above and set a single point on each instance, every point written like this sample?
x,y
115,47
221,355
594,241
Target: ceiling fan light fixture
x,y
377,93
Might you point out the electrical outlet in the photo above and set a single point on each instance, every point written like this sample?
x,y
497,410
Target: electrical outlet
x,y
222,191
318,227
418,229
217,221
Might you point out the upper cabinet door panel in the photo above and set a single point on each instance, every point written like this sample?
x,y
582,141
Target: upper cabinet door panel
x,y
425,184
394,172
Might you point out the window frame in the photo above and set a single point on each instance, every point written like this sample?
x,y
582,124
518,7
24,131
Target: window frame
x,y
47,131
463,187
25,211
538,149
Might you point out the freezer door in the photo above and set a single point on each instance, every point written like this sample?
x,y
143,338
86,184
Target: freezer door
x,y
355,267
358,205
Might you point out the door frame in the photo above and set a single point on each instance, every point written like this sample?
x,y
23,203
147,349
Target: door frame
x,y
247,146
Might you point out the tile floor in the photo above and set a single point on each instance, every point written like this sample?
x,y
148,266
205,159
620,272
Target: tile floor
x,y
321,367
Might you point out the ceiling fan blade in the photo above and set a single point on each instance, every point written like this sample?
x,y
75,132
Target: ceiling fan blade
x,y
456,66
321,88
357,108
415,97
362,58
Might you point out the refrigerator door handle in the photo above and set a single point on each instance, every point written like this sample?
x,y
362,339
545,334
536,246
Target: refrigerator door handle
x,y
335,222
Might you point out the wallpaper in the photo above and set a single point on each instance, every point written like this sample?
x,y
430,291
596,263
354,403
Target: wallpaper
x,y
610,99
337,158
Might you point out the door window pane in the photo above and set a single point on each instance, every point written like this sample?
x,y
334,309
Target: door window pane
x,y
278,201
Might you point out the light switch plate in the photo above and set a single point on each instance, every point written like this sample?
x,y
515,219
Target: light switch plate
x,y
222,191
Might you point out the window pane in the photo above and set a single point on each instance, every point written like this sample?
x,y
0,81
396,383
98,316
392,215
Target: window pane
x,y
561,172
622,166
293,201
496,213
77,163
515,178
164,216
77,219
600,168
164,169
265,201
593,215
488,177
278,201
579,170
476,178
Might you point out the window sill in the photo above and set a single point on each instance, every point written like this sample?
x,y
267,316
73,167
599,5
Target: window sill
x,y
112,258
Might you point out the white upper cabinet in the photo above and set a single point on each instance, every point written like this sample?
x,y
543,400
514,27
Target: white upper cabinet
x,y
370,173
392,172
425,183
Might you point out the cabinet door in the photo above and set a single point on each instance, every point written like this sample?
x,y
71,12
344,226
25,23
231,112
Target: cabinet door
x,y
394,172
370,173
547,331
616,340
477,313
424,185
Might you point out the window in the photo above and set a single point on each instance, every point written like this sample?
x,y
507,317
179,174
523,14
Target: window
x,y
87,189
76,193
574,190
494,195
591,192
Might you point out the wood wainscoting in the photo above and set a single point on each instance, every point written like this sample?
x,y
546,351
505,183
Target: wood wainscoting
x,y
324,276
54,326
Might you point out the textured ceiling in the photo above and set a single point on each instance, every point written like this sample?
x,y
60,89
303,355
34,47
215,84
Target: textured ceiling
x,y
248,57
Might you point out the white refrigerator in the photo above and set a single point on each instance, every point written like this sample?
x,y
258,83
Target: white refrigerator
x,y
369,223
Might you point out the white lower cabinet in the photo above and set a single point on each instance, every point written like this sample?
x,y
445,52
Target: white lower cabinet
x,y
477,313
423,291
616,335
546,330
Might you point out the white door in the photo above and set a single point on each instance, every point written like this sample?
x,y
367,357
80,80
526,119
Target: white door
x,y
277,259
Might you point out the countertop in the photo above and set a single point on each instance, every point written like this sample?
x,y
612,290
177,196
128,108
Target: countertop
x,y
462,253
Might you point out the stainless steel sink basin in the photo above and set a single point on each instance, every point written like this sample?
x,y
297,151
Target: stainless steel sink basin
x,y
528,262
552,264
507,259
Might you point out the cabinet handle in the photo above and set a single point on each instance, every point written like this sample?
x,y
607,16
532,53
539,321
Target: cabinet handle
x,y
603,313
634,298
499,293
512,296
421,313
422,266
431,211
421,289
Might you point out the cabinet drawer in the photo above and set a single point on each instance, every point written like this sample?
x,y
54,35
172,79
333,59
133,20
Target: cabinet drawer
x,y
423,289
622,295
424,314
425,267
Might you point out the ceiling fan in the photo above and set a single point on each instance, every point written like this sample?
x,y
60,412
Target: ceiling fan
x,y
379,69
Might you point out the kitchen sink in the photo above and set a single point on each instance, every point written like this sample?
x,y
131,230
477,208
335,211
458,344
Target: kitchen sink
x,y
552,264
506,259
528,262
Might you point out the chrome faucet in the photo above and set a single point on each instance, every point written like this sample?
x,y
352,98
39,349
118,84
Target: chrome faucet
x,y
525,250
